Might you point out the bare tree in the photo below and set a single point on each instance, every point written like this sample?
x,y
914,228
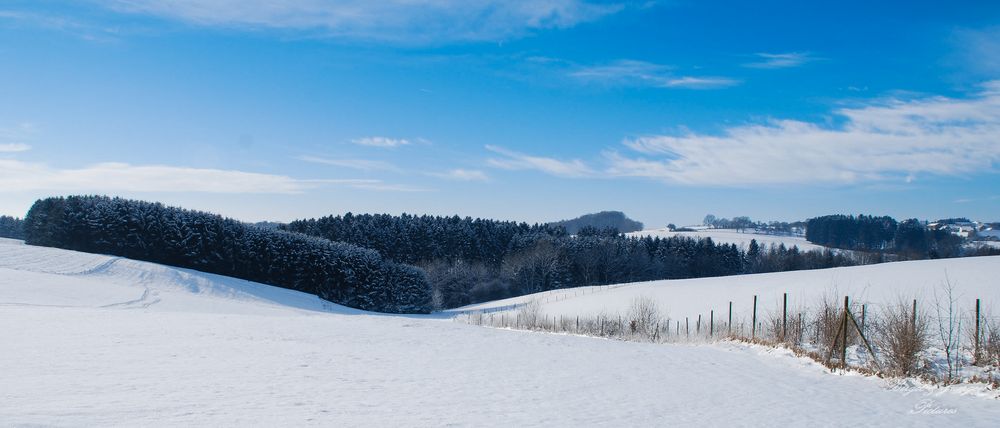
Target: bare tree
x,y
529,314
949,326
991,343
644,317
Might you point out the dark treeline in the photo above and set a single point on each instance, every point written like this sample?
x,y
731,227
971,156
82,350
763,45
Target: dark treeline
x,y
863,232
909,239
11,227
420,239
335,271
473,260
602,220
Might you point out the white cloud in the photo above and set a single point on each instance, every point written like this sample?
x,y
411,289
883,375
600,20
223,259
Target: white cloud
x,y
888,140
18,176
463,175
14,147
641,73
12,139
404,21
381,142
978,50
63,24
518,161
388,187
700,82
780,60
358,164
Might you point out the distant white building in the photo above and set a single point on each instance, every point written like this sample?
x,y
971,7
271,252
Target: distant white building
x,y
964,231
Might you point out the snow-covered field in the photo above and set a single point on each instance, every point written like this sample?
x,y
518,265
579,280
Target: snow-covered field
x,y
730,236
93,341
887,283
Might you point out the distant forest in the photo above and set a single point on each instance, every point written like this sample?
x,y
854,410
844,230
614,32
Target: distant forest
x,y
473,260
908,239
11,227
602,220
335,271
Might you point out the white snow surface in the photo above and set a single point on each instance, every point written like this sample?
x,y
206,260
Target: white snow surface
x,y
92,340
731,236
875,285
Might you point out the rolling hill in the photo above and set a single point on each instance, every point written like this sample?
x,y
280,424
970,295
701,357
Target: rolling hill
x,y
98,340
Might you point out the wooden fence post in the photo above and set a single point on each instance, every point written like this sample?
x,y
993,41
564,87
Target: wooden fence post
x,y
697,327
784,317
976,356
711,323
843,353
753,328
801,327
863,307
687,328
729,323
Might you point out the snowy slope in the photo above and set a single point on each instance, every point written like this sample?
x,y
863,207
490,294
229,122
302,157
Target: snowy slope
x,y
730,236
39,276
972,277
96,341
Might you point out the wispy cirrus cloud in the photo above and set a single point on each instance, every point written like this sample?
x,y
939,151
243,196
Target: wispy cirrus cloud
x,y
358,164
641,73
398,21
13,139
512,160
19,176
14,147
385,142
890,139
389,187
64,24
780,60
24,176
462,175
692,82
978,50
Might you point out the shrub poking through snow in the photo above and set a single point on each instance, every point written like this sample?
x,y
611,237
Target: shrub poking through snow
x,y
895,343
902,336
644,318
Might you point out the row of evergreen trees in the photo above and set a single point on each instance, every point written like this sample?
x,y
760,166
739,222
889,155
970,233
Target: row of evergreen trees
x,y
11,227
335,271
909,239
471,260
420,239
863,232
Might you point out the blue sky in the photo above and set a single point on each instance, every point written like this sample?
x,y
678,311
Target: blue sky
x,y
533,111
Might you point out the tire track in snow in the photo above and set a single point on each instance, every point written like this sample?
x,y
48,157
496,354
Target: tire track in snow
x,y
147,299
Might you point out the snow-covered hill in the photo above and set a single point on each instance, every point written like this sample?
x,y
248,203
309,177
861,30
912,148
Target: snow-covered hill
x,y
91,340
972,278
730,236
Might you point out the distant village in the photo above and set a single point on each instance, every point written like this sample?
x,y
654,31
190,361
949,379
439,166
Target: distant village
x,y
976,233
